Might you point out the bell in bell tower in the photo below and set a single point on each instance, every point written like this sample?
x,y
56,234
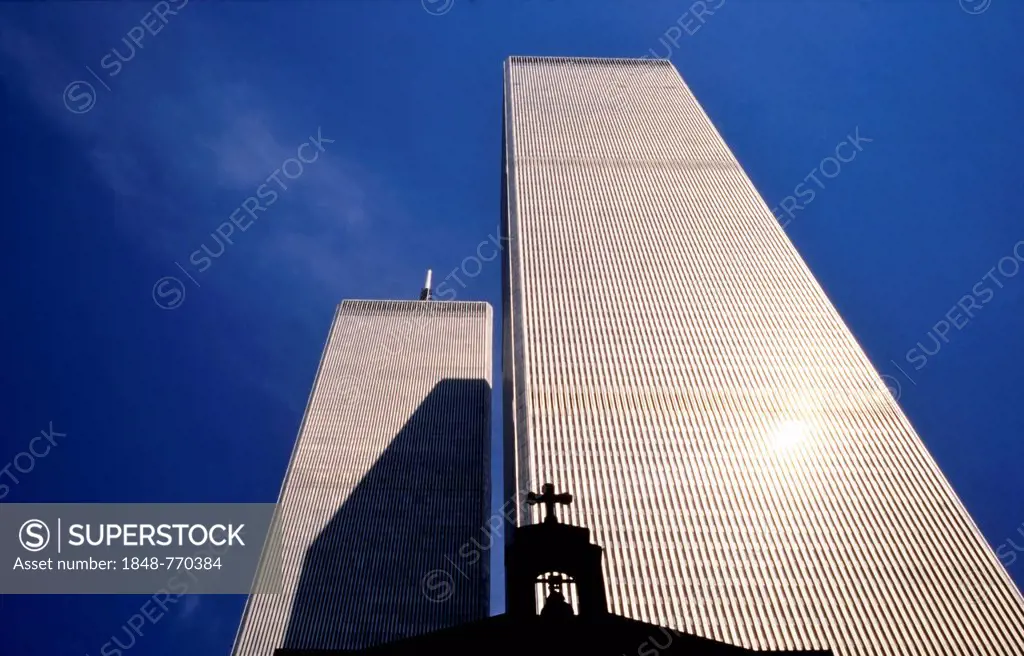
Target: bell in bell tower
x,y
557,555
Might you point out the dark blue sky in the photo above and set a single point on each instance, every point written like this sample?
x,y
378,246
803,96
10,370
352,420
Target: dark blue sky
x,y
202,402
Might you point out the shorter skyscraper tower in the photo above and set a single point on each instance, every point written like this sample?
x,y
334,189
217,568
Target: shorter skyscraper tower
x,y
388,478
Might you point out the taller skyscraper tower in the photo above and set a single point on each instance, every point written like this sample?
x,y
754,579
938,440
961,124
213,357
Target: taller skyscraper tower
x,y
387,481
670,359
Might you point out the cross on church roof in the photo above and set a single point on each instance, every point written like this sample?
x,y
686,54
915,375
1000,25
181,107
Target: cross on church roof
x,y
549,499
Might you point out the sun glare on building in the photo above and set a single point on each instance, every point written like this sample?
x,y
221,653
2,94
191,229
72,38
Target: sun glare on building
x,y
789,436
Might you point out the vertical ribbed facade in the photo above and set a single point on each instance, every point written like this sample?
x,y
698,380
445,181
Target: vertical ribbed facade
x,y
388,479
672,362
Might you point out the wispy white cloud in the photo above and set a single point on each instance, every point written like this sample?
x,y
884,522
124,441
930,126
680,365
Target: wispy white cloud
x,y
181,140
246,151
193,146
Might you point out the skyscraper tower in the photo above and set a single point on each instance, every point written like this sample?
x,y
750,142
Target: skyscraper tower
x,y
387,480
669,358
